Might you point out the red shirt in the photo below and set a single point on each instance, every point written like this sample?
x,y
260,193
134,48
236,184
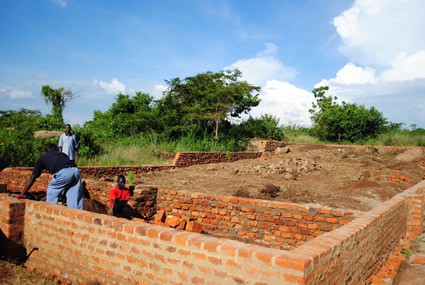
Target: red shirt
x,y
120,194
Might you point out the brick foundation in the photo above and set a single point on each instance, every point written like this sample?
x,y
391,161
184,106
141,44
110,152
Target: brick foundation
x,y
324,245
83,247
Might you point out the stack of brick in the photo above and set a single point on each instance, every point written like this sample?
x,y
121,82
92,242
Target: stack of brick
x,y
179,223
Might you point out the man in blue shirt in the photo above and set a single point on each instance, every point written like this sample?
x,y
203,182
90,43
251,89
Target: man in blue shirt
x,y
66,178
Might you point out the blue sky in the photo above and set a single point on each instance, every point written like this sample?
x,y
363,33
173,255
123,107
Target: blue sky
x,y
368,52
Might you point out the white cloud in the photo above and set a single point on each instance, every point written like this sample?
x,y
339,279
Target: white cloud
x,y
20,94
351,74
406,67
375,32
113,88
286,102
62,3
265,66
386,50
159,89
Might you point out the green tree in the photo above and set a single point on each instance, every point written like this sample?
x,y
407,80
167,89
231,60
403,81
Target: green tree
x,y
17,136
265,127
207,100
59,99
343,122
128,115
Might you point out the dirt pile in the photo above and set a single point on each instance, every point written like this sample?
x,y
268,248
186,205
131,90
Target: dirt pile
x,y
289,168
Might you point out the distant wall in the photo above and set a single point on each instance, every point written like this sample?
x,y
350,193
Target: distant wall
x,y
183,159
13,176
270,145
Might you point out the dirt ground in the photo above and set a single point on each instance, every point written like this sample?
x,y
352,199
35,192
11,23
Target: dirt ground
x,y
355,178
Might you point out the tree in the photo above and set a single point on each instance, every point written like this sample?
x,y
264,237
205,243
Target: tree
x,y
265,127
343,122
128,115
59,99
17,136
207,99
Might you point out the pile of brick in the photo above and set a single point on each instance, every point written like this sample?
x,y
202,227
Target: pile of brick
x,y
179,223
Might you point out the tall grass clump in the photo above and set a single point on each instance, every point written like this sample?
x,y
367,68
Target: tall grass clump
x,y
396,139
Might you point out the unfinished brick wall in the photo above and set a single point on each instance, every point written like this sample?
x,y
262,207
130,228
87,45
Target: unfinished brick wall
x,y
13,176
183,159
270,145
83,247
275,224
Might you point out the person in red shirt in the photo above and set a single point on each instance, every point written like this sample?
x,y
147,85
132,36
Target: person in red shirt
x,y
118,201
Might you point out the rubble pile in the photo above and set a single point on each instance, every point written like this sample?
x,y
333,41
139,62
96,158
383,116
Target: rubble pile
x,y
291,168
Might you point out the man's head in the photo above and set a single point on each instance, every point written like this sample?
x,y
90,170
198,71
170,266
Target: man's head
x,y
121,181
50,147
67,128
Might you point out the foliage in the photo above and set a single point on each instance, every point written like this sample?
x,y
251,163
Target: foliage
x,y
58,98
399,138
17,136
87,145
128,116
265,127
298,134
205,101
345,122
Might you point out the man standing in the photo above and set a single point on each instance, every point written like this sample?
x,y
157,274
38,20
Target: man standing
x,y
66,178
68,144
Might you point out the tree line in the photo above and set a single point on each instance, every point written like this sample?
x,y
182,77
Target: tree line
x,y
196,107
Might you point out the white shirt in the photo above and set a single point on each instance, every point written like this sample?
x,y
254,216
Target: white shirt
x,y
68,144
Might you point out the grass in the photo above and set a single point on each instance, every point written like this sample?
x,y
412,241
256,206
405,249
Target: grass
x,y
133,154
150,150
12,274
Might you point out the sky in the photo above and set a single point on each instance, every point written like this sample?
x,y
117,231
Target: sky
x,y
369,52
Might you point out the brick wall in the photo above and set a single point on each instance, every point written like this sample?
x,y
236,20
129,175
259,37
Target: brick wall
x,y
183,159
12,176
274,224
269,145
83,247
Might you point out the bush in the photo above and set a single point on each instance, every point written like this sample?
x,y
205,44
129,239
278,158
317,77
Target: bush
x,y
346,122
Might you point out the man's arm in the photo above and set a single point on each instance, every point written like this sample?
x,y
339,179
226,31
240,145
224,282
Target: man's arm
x,y
27,187
75,148
60,143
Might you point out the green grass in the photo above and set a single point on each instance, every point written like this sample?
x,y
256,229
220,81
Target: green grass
x,y
151,150
131,154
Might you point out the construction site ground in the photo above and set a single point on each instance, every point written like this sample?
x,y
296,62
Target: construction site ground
x,y
349,177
